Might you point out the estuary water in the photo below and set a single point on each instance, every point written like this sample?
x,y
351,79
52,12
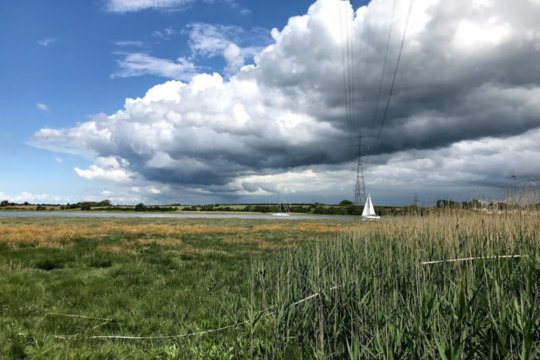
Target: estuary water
x,y
82,214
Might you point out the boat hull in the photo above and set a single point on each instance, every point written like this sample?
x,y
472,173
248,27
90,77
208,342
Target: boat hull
x,y
371,217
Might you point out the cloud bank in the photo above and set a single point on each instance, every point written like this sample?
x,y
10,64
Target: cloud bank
x,y
464,112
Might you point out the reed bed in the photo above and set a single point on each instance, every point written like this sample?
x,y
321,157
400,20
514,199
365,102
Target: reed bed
x,y
366,295
275,290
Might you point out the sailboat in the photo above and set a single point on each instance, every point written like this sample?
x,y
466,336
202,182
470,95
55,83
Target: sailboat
x,y
369,211
283,209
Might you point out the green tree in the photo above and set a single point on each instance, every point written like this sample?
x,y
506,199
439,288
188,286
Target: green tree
x,y
86,206
105,203
140,207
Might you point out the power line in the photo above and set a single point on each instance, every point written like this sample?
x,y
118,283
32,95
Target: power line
x,y
383,70
347,55
394,76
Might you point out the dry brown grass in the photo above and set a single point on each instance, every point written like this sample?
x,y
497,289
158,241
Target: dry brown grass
x,y
138,235
58,235
62,234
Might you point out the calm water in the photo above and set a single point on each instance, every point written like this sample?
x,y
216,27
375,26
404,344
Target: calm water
x,y
169,216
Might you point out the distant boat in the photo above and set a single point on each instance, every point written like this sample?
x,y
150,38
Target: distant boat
x,y
369,211
283,209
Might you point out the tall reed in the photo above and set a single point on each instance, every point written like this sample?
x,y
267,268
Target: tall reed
x,y
369,296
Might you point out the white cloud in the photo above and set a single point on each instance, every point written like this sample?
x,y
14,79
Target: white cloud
x,y
283,123
164,34
43,107
128,43
209,40
470,36
124,6
110,168
486,168
32,198
233,43
316,179
48,41
138,64
234,58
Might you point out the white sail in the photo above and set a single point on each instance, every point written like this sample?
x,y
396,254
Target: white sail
x,y
283,209
369,211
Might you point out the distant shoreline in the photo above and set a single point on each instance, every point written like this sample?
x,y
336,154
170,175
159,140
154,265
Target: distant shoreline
x,y
185,215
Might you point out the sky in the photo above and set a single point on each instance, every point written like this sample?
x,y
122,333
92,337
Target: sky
x,y
227,101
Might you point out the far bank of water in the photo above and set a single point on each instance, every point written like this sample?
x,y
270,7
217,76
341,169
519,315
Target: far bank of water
x,y
82,214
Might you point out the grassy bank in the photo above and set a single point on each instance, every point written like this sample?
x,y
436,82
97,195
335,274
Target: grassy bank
x,y
279,289
141,277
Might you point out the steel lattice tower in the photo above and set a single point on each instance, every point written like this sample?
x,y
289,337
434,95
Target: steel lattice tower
x,y
360,188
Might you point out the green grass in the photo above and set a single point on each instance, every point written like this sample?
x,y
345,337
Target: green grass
x,y
151,277
367,294
375,300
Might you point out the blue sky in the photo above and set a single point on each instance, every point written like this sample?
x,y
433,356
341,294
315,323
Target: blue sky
x,y
235,101
63,54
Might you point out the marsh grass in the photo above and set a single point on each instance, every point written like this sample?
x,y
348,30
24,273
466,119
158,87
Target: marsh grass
x,y
61,234
374,299
296,289
152,277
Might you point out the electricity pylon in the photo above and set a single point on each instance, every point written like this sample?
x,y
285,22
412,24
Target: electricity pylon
x,y
360,188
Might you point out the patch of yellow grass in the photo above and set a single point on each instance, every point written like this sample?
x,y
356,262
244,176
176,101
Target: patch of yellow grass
x,y
38,235
58,235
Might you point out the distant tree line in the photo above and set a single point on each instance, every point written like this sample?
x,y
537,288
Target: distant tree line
x,y
87,205
142,207
344,207
478,204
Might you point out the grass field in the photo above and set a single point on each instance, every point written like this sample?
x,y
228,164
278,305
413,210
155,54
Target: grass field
x,y
149,277
290,289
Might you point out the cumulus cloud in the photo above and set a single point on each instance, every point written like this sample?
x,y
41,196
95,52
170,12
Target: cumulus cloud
x,y
107,168
466,103
486,168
